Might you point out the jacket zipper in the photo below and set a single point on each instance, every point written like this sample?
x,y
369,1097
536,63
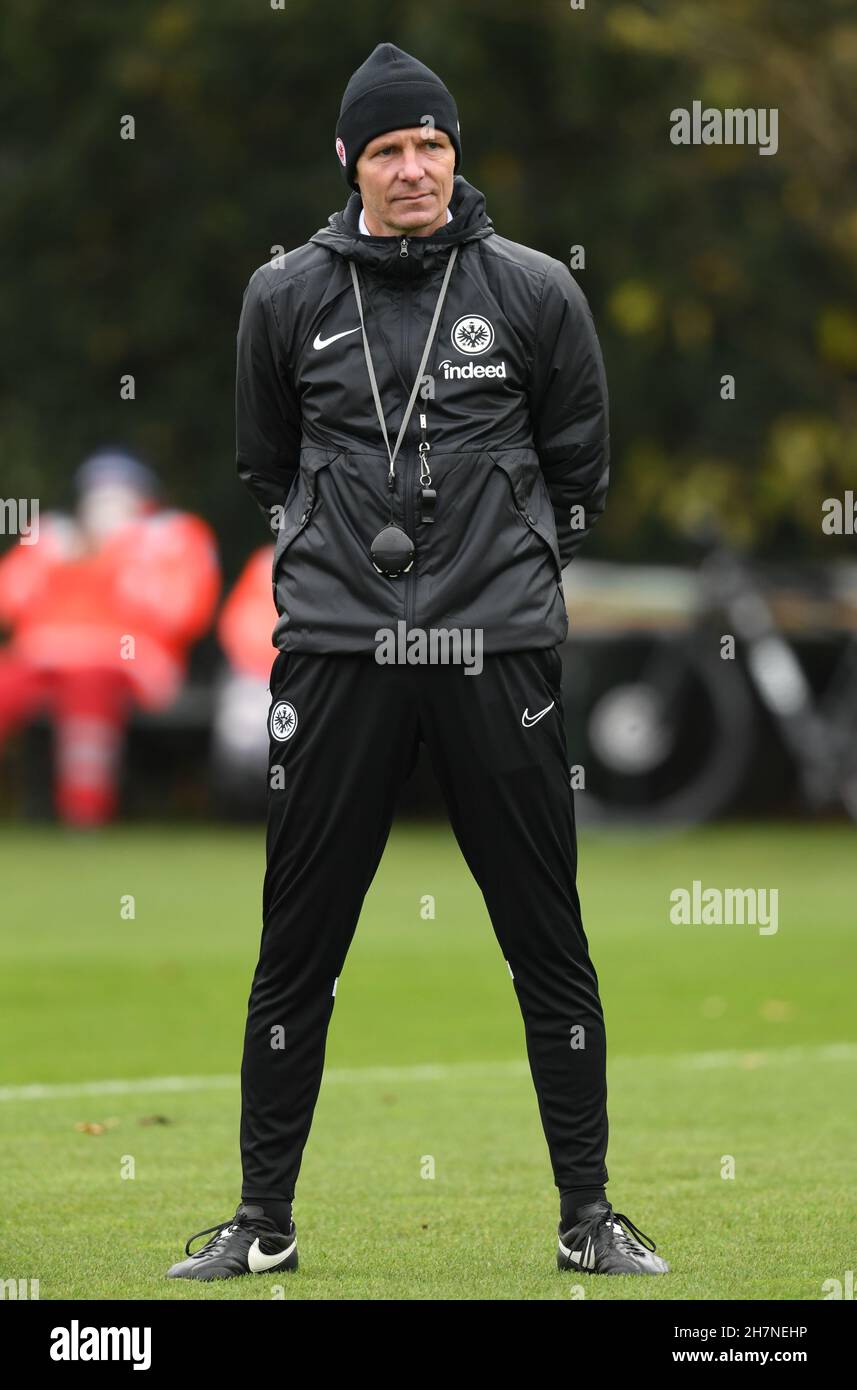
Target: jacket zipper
x,y
410,577
309,503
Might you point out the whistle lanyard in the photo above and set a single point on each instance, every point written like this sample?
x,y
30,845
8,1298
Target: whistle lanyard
x,y
428,492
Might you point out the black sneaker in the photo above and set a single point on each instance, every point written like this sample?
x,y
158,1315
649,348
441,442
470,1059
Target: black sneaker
x,y
248,1244
598,1245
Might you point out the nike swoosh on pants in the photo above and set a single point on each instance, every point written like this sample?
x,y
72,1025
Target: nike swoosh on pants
x,y
528,719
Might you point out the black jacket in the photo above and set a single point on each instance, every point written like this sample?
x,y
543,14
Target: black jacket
x,y
519,453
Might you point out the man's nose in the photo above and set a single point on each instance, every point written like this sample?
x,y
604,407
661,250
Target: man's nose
x,y
411,167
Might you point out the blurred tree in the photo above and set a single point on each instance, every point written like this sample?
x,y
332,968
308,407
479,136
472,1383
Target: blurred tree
x,y
131,256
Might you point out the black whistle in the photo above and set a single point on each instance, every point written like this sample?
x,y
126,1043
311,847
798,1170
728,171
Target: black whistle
x,y
427,501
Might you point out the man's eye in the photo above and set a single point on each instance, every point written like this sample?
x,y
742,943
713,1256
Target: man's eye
x,y
386,149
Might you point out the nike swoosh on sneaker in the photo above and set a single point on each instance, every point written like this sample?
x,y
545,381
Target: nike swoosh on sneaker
x,y
528,719
319,342
259,1262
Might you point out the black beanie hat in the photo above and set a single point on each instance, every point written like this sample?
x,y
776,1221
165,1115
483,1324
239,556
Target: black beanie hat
x,y
391,91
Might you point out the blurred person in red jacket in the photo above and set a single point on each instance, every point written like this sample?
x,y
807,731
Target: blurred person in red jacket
x,y
242,627
102,609
239,731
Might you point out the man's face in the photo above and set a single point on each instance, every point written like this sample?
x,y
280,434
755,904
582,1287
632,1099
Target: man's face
x,y
405,179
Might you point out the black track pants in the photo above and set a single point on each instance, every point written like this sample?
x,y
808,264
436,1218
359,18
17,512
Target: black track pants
x,y
346,731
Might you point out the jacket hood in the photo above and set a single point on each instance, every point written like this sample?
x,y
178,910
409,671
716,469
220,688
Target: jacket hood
x,y
470,222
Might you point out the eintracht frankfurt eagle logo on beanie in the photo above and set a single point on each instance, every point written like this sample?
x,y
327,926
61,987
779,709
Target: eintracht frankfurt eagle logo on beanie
x,y
391,91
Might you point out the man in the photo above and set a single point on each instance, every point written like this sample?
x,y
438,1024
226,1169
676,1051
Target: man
x,y
502,469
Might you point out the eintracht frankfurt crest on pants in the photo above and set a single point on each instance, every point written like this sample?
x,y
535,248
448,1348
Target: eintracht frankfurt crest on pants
x,y
283,721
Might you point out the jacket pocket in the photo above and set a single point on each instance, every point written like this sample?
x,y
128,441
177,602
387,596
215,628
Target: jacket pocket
x,y
530,496
301,501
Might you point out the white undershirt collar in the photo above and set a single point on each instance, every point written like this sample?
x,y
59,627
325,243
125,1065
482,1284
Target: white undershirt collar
x,y
364,230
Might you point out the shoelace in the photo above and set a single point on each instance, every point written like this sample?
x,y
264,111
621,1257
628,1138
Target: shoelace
x,y
222,1230
626,1241
608,1217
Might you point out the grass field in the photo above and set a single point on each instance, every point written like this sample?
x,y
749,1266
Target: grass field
x,y
721,1041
